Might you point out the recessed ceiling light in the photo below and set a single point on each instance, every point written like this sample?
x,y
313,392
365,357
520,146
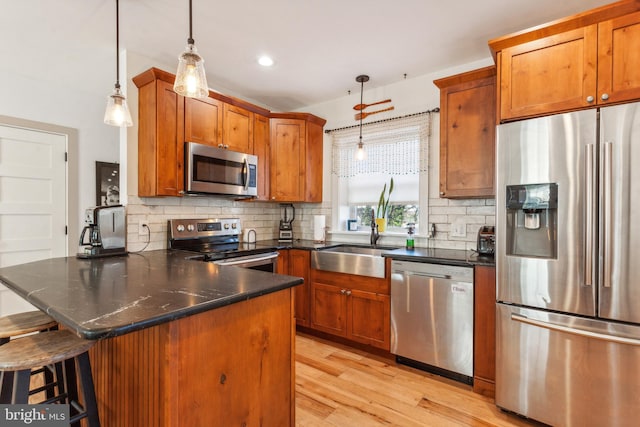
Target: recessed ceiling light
x,y
265,61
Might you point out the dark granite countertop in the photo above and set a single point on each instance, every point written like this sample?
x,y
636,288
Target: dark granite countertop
x,y
106,297
434,255
441,256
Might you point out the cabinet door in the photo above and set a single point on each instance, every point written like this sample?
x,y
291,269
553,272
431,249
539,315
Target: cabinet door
x,y
238,129
203,120
369,318
548,75
618,64
484,330
467,138
299,264
314,154
160,145
288,157
328,309
261,148
283,262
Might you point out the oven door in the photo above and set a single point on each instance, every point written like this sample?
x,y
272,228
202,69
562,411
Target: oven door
x,y
264,262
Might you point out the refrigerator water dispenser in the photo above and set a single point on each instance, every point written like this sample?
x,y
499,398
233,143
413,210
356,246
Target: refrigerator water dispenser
x,y
532,213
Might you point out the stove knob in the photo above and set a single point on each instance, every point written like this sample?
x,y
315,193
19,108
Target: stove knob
x,y
226,226
234,225
180,228
191,227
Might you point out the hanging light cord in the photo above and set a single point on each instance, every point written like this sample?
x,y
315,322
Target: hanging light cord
x,y
117,45
190,39
361,90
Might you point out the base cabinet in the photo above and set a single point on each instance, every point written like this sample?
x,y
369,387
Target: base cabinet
x,y
484,331
231,366
296,262
357,308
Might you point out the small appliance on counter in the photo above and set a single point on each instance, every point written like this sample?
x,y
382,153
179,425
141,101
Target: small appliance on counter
x,y
486,240
104,233
285,233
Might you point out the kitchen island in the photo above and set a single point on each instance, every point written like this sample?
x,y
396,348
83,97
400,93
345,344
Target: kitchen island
x,y
179,342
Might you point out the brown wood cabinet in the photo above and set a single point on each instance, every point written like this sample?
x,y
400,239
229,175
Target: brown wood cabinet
x,y
160,135
484,330
357,308
289,167
203,121
299,266
467,134
581,66
296,157
230,366
296,262
238,129
261,148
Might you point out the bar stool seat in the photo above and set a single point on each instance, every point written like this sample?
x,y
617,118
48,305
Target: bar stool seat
x,y
24,323
21,355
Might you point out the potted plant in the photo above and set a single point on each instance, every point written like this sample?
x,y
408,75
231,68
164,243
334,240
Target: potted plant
x,y
383,207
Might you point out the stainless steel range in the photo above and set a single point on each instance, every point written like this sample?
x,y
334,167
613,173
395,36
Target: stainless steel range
x,y
218,241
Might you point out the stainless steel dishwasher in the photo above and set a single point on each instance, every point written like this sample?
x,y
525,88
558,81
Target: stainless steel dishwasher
x,y
432,318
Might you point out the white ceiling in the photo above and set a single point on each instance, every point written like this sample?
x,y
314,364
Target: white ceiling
x,y
319,47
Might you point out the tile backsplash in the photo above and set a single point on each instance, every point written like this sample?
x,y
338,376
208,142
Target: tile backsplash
x,y
449,216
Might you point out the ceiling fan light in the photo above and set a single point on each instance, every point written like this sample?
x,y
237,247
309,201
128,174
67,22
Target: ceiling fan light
x,y
117,112
191,80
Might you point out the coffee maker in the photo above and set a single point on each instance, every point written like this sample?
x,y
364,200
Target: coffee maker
x,y
286,222
104,233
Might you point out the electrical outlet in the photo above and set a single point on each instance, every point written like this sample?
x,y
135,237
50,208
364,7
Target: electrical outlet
x,y
458,229
142,228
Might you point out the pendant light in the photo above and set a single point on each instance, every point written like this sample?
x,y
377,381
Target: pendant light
x,y
191,80
360,154
117,113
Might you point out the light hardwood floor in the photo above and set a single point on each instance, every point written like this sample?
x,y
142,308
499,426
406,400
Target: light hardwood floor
x,y
341,386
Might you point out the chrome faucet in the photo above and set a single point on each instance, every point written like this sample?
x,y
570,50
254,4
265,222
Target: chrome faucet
x,y
375,235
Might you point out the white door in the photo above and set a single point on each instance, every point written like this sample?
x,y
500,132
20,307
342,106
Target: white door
x,y
33,201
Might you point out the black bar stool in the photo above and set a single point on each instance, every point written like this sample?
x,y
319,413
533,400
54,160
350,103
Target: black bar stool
x,y
14,325
21,355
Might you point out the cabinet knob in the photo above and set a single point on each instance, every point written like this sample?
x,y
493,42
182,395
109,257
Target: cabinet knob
x,y
220,145
343,291
442,193
605,96
590,99
348,293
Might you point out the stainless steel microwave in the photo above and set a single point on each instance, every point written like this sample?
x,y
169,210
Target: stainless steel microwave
x,y
213,170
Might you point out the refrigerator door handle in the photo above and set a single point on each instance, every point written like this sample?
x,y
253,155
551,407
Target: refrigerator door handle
x,y
607,213
569,330
590,213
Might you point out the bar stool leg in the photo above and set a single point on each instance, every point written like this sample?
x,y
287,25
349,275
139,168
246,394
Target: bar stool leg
x,y
21,387
7,387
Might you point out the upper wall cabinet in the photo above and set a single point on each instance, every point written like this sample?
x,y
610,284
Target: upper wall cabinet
x,y
203,120
168,120
467,134
582,61
238,129
160,135
296,157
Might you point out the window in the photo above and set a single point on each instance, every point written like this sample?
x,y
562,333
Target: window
x,y
396,148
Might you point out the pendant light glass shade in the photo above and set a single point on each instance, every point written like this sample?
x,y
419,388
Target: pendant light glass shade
x,y
117,113
191,80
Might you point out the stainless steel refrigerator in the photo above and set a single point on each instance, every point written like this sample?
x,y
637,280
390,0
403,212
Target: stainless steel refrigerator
x,y
568,267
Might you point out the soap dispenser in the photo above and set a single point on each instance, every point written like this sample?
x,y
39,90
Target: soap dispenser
x,y
410,230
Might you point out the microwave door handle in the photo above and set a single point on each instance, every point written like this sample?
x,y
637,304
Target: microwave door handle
x,y
246,174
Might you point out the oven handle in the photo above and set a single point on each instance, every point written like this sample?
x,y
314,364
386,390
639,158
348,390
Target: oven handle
x,y
246,259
